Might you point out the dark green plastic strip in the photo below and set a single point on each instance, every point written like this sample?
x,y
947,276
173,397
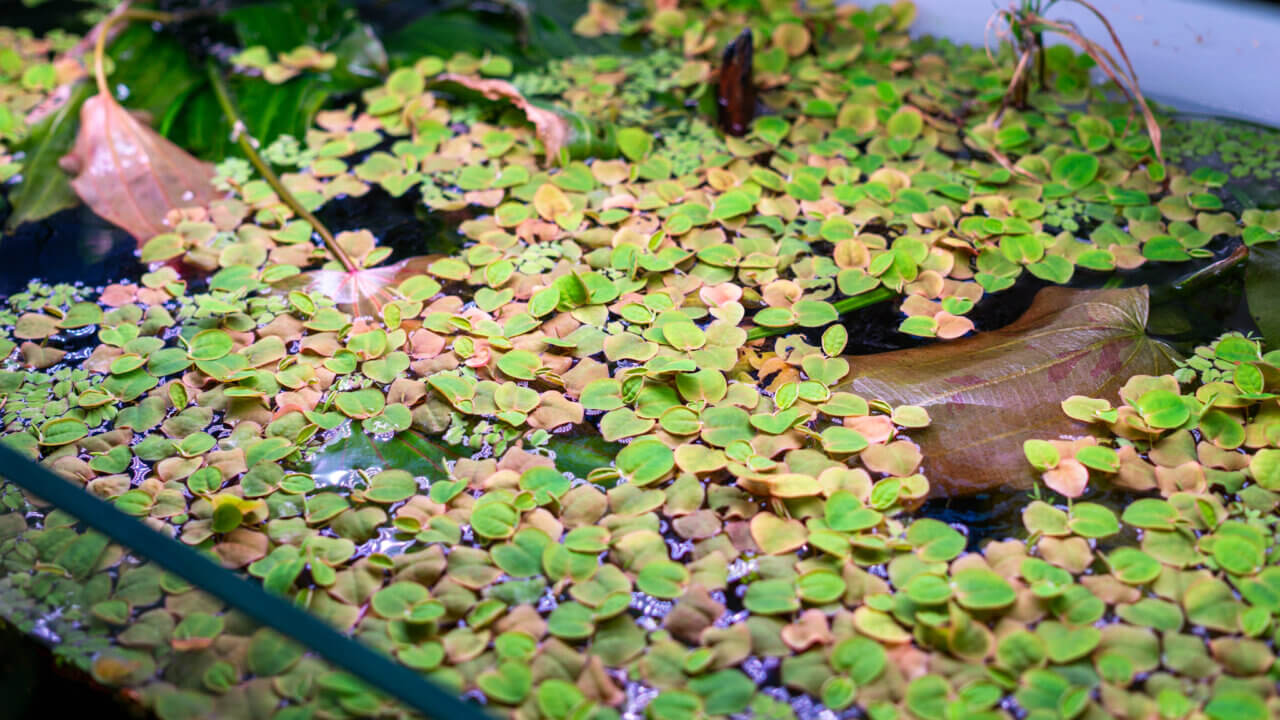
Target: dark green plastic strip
x,y
396,680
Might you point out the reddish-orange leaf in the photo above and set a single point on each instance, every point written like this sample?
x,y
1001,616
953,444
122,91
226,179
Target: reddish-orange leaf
x,y
366,291
551,128
130,175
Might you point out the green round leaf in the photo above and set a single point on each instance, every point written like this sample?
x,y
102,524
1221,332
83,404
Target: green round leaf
x,y
1075,170
663,579
646,461
982,589
62,431
209,345
1163,409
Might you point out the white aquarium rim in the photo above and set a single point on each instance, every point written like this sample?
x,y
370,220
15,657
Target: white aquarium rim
x,y
1213,56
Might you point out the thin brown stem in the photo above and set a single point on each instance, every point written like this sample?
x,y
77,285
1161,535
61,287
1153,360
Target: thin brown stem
x,y
104,29
1041,61
1027,26
1125,77
246,145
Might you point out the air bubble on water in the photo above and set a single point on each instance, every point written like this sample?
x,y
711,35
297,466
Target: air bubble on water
x,y
740,568
340,432
618,675
755,669
43,630
679,549
547,603
385,542
334,478
638,697
730,619
806,709
649,605
777,693
140,469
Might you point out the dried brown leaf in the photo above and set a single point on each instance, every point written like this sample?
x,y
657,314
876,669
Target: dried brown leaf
x,y
552,129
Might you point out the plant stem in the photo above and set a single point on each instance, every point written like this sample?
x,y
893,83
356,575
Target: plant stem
x,y
1199,279
246,145
104,29
1040,60
849,304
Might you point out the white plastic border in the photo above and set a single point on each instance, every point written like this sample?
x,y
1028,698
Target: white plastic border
x,y
1215,56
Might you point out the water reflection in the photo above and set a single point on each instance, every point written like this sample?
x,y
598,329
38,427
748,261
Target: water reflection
x,y
69,246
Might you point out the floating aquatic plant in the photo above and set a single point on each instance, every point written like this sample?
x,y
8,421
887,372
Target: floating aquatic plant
x,y
613,455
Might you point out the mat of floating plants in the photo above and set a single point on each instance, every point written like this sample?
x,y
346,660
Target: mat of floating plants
x,y
645,360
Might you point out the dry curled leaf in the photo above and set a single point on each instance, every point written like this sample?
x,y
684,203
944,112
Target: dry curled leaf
x,y
130,175
552,129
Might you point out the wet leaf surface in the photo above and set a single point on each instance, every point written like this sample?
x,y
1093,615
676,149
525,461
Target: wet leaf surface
x,y
989,393
1262,288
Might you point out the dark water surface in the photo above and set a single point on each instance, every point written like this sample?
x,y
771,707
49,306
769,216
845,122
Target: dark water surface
x,y
35,685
